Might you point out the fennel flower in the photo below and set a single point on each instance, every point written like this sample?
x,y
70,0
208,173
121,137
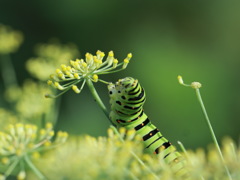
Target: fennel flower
x,y
83,70
48,56
10,39
22,142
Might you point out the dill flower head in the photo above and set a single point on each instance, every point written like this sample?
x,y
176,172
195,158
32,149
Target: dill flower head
x,y
48,57
102,158
84,70
6,117
208,164
21,142
93,158
29,101
10,40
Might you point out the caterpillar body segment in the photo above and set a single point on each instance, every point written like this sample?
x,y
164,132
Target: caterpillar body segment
x,y
127,98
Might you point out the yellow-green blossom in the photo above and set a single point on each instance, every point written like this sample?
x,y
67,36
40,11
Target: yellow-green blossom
x,y
7,117
10,40
19,142
91,158
49,56
81,70
101,158
29,101
194,85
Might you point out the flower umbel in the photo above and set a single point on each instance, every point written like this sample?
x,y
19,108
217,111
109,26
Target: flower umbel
x,y
48,57
194,85
82,70
21,142
10,39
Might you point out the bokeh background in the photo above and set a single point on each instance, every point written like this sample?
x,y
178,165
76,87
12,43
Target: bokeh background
x,y
199,40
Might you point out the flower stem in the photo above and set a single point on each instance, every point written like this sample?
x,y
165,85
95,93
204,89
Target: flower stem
x,y
8,72
187,156
183,149
212,132
33,167
134,155
98,99
11,167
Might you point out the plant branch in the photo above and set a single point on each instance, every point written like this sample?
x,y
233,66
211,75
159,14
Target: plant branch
x,y
8,72
98,99
212,132
33,167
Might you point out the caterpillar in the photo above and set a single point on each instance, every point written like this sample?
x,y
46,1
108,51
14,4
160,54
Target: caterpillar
x,y
127,98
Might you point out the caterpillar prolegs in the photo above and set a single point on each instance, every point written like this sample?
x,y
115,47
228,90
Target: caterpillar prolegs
x,y
127,98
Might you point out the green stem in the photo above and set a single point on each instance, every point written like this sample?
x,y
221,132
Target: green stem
x,y
98,99
183,149
8,72
33,167
186,155
212,132
134,155
11,167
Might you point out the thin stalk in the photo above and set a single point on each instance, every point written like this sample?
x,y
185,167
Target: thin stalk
x,y
11,167
98,99
33,167
8,72
186,155
134,155
104,109
212,132
183,149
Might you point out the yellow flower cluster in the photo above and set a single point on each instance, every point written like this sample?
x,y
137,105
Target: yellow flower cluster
x,y
29,101
6,117
102,158
210,166
82,70
48,57
20,142
10,40
91,158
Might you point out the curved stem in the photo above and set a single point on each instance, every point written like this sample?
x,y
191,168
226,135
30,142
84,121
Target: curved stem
x,y
11,167
134,155
33,167
98,99
187,157
8,72
212,132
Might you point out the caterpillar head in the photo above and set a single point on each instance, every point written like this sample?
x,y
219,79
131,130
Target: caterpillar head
x,y
122,84
127,84
126,96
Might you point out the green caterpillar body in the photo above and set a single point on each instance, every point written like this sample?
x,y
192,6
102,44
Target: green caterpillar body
x,y
127,98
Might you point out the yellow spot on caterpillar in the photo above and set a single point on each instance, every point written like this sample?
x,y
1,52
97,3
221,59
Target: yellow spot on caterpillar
x,y
162,148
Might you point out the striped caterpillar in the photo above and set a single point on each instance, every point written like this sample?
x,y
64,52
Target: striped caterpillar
x,y
127,98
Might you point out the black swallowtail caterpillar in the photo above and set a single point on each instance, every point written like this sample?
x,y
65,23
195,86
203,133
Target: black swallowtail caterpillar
x,y
127,98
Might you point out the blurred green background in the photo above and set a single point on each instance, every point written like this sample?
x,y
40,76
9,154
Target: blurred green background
x,y
199,40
